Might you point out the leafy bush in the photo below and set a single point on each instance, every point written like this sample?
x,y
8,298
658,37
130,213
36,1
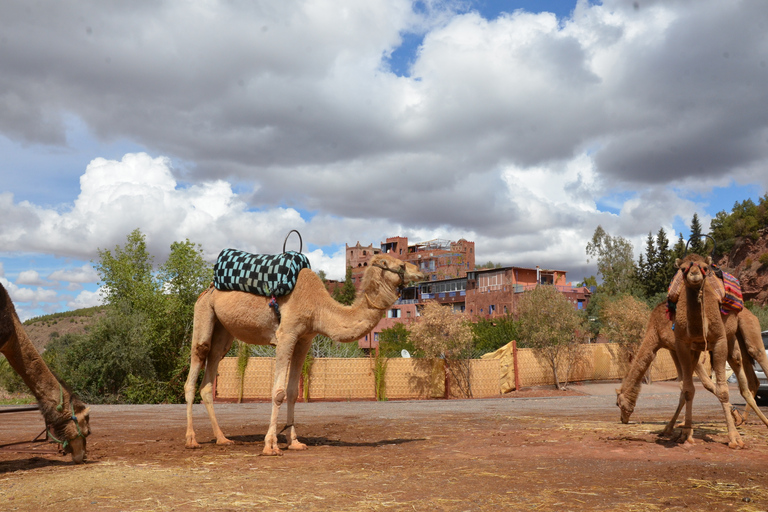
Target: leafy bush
x,y
9,379
492,334
393,340
763,259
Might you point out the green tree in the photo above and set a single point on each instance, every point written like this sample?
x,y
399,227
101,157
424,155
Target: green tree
x,y
656,268
393,340
184,275
746,219
346,294
492,334
126,275
549,323
665,269
139,350
615,261
696,243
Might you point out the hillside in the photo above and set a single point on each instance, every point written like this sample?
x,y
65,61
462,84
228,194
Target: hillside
x,y
42,329
743,261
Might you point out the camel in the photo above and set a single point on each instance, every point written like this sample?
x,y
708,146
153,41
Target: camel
x,y
659,334
221,316
67,418
700,326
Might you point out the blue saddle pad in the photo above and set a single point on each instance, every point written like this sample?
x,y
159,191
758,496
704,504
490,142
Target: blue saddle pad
x,y
261,274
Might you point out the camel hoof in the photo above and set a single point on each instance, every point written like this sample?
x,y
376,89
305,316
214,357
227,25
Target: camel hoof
x,y
297,446
271,452
224,441
194,445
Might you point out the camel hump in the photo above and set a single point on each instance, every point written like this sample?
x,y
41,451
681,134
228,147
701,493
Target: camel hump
x,y
260,274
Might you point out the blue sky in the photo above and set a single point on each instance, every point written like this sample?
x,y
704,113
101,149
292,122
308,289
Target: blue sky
x,y
519,125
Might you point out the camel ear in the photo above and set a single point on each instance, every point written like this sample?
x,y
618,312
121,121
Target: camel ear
x,y
677,262
709,260
618,391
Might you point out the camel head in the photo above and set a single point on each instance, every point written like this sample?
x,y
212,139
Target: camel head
x,y
626,406
695,269
395,272
72,429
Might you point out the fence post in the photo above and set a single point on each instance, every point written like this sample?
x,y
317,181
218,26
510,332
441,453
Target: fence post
x,y
515,365
447,393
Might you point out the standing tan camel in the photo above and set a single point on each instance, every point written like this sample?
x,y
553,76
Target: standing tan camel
x,y
700,326
221,316
66,416
659,334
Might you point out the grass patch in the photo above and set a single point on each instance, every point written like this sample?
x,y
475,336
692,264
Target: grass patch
x,y
18,401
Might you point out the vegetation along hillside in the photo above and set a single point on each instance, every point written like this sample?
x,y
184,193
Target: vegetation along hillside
x,y
44,329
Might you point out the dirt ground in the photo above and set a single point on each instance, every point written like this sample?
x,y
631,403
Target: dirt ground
x,y
531,452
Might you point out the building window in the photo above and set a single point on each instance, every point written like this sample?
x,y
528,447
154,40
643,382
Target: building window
x,y
393,313
490,282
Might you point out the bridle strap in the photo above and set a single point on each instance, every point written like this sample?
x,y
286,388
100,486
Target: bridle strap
x,y
400,272
72,417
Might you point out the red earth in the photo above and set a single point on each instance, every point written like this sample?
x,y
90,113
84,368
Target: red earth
x,y
539,450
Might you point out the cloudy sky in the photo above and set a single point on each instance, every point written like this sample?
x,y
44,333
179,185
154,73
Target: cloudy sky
x,y
520,125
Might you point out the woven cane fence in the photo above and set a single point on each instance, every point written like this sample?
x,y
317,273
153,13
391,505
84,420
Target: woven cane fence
x,y
344,379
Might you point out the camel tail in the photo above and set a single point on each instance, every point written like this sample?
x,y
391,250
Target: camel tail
x,y
207,290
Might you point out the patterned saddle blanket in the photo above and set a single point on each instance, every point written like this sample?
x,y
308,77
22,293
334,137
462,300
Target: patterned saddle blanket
x,y
260,274
728,289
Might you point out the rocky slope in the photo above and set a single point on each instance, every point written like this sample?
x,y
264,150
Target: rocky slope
x,y
743,261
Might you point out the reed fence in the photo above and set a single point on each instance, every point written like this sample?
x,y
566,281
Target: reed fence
x,y
343,379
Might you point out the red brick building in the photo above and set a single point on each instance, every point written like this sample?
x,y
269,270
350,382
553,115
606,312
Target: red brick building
x,y
437,259
486,293
494,292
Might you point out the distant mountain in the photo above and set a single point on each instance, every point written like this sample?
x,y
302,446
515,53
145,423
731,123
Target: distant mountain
x,y
43,329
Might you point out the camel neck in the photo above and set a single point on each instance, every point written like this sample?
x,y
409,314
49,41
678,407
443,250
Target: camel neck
x,y
42,383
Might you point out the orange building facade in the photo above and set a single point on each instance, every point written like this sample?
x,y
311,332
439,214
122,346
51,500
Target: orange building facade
x,y
437,259
487,293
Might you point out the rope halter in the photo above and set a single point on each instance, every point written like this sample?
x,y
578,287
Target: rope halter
x,y
60,424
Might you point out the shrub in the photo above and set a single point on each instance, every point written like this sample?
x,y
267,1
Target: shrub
x,y
763,259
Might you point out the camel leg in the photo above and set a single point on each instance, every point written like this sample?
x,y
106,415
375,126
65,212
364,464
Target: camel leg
x,y
686,357
202,332
706,381
283,355
746,391
221,343
670,428
708,385
719,356
294,375
195,365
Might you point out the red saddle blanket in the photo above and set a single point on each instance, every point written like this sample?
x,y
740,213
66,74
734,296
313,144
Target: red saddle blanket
x,y
728,290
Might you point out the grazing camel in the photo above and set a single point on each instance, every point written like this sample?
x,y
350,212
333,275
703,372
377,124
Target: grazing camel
x,y
65,415
221,316
659,334
700,326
